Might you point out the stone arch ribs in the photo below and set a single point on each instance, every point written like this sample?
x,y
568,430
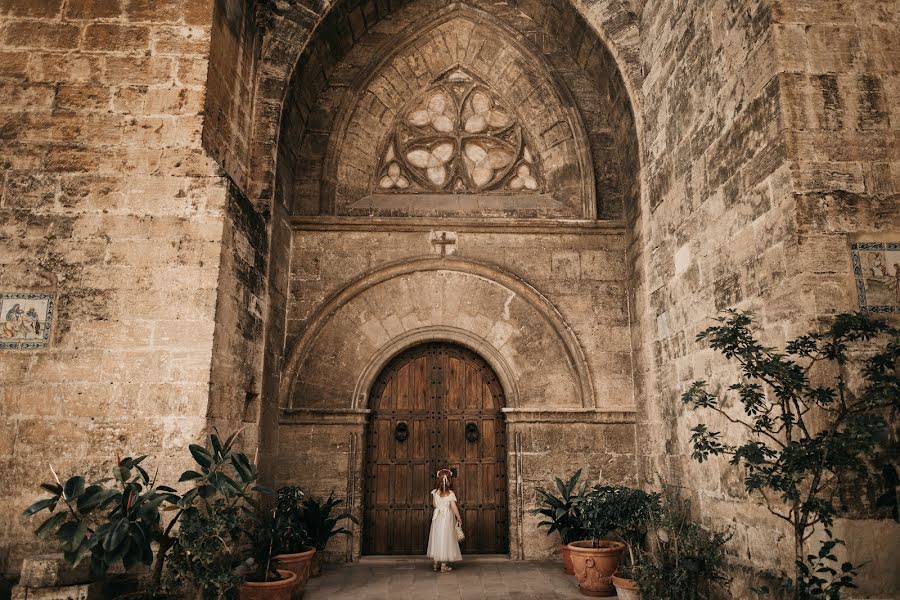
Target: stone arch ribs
x,y
573,357
257,52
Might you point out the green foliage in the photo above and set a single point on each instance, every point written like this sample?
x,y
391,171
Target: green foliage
x,y
559,511
291,536
682,559
114,520
320,525
215,518
208,551
804,436
118,519
614,511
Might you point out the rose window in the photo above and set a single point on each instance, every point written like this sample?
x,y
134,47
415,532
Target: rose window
x,y
458,137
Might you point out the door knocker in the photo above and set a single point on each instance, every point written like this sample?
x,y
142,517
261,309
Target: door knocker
x,y
471,432
401,432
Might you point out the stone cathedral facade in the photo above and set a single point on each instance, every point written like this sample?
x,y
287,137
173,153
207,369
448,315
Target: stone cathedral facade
x,y
390,236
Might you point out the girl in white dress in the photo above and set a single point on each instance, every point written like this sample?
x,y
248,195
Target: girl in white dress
x,y
443,546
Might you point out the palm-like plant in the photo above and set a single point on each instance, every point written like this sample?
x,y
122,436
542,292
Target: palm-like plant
x,y
560,510
321,526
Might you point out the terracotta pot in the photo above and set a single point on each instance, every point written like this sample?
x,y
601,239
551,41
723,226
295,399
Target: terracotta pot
x,y
594,567
626,589
567,559
300,564
270,590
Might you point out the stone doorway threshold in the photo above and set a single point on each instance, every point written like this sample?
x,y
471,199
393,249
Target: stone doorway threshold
x,y
421,558
477,577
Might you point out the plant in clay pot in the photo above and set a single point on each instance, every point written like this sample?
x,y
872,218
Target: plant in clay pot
x,y
292,546
559,513
631,510
321,526
597,558
683,561
263,575
211,540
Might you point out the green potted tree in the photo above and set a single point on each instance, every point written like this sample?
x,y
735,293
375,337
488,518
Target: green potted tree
x,y
292,546
263,575
321,526
596,559
559,514
682,561
632,513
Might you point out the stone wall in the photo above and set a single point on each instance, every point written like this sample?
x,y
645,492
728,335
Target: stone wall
x,y
109,202
768,147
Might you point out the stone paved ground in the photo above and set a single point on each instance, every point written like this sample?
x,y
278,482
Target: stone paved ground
x,y
486,578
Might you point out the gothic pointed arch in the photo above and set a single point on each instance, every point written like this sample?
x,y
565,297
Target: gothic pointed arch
x,y
461,106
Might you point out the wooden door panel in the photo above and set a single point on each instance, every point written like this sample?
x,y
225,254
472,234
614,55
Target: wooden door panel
x,y
436,390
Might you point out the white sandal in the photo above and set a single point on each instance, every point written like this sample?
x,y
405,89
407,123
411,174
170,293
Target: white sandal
x,y
446,568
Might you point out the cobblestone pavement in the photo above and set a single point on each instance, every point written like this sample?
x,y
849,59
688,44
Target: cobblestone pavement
x,y
473,579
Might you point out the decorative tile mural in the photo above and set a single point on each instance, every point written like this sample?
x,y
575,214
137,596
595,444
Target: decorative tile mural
x,y
876,266
25,320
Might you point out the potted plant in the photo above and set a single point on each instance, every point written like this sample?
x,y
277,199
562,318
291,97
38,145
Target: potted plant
x,y
211,542
263,577
321,526
632,513
292,547
683,561
596,559
560,514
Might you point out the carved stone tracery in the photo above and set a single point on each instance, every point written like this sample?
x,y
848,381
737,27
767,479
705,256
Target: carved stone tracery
x,y
458,136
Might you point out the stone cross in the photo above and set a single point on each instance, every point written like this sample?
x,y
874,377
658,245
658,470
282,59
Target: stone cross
x,y
443,242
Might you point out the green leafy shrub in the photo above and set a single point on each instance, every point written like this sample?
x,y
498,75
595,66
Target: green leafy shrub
x,y
119,519
614,511
804,436
320,524
682,560
113,520
291,536
560,510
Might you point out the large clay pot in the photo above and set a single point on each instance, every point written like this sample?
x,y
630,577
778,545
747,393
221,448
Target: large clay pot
x,y
594,567
299,564
567,559
270,590
626,589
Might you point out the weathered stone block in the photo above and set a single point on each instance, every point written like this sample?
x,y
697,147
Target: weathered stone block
x,y
50,570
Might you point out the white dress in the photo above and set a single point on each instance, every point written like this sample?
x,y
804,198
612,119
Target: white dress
x,y
442,544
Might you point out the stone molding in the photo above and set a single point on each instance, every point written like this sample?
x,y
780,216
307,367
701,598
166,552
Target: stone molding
x,y
324,416
575,357
515,416
464,225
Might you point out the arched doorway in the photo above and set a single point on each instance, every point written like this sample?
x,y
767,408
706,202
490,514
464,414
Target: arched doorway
x,y
435,405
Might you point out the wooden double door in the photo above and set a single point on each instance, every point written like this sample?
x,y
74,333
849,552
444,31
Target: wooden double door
x,y
435,406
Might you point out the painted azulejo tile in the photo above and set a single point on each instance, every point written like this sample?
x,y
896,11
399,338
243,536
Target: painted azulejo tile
x,y
25,320
876,266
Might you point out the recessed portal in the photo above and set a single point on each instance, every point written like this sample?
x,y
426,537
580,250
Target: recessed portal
x,y
435,405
